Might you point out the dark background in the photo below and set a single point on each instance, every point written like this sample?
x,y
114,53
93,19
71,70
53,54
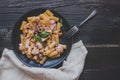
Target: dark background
x,y
101,35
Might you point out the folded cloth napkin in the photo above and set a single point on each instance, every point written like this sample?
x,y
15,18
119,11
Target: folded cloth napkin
x,y
12,69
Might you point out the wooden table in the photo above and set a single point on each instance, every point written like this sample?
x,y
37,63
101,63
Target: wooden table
x,y
100,35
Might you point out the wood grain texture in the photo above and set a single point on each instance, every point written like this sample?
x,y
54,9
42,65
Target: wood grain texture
x,y
102,58
112,74
105,24
100,35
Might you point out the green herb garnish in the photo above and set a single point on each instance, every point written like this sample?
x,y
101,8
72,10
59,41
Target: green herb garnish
x,y
38,38
44,34
61,22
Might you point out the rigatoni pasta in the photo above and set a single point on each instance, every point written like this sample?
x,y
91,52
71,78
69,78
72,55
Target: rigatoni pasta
x,y
40,37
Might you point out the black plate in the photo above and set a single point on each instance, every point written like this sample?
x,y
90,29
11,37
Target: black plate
x,y
16,40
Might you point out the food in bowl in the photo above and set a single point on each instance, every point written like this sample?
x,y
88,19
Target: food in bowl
x,y
40,37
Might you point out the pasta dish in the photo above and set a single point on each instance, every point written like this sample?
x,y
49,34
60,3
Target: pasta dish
x,y
40,38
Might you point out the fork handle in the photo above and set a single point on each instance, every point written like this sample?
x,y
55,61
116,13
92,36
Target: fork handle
x,y
89,17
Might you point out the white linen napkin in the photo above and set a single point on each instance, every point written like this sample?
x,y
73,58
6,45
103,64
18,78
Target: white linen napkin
x,y
12,69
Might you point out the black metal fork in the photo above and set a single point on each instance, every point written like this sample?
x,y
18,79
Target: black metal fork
x,y
74,29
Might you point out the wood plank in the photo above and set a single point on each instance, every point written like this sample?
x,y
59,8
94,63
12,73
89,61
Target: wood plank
x,y
112,74
102,58
19,3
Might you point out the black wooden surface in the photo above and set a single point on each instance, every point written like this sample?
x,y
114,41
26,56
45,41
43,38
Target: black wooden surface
x,y
100,35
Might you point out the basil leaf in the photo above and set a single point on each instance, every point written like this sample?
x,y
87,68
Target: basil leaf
x,y
44,34
38,38
61,22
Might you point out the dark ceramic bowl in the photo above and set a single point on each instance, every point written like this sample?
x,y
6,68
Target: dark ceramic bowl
x,y
49,62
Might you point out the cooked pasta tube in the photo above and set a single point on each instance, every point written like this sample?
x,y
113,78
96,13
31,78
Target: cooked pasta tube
x,y
29,50
56,56
53,54
32,19
48,42
25,31
58,26
31,23
30,32
43,17
47,24
49,51
64,46
46,48
33,40
21,47
22,38
43,60
47,16
29,55
42,50
56,32
35,57
43,22
49,13
23,25
52,44
54,18
57,39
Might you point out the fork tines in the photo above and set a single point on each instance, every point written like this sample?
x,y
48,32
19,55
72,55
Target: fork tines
x,y
71,32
